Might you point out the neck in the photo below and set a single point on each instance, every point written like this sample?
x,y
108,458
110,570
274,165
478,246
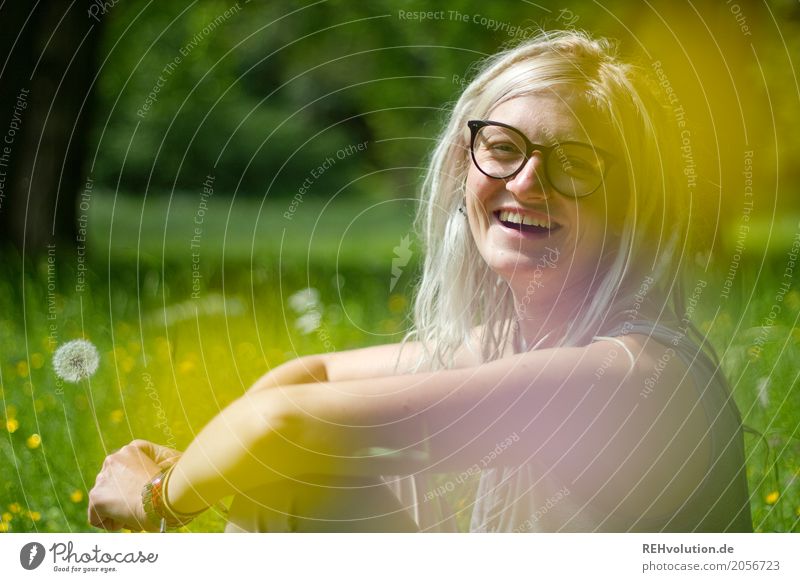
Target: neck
x,y
542,323
544,312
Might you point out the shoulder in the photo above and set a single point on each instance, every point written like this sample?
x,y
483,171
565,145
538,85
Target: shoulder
x,y
654,452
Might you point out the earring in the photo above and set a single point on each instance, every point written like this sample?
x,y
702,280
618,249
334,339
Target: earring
x,y
462,209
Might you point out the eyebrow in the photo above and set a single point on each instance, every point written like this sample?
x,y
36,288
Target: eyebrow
x,y
551,138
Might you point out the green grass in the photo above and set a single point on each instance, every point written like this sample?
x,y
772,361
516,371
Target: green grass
x,y
328,230
141,316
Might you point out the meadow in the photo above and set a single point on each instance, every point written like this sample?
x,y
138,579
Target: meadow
x,y
186,320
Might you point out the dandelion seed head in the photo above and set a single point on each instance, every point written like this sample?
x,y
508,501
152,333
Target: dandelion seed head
x,y
304,300
309,322
76,360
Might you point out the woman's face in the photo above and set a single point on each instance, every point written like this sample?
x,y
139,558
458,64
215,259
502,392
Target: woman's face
x,y
560,254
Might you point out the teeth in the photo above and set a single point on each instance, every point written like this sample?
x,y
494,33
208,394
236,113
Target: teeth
x,y
516,218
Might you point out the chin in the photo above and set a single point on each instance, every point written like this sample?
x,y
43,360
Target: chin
x,y
530,277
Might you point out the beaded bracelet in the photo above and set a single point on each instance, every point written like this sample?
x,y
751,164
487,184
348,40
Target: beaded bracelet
x,y
157,508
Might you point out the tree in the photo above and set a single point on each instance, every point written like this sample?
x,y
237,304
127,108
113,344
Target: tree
x,y
46,89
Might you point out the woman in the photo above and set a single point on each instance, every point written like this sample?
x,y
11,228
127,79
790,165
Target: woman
x,y
553,379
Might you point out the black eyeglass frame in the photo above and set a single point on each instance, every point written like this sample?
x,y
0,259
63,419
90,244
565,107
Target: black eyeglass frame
x,y
475,125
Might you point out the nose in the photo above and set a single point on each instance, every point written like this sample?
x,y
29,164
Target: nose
x,y
530,181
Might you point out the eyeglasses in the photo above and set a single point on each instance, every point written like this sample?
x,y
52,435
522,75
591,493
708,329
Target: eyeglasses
x,y
573,169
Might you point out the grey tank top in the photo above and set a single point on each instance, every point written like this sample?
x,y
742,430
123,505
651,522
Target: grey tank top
x,y
525,499
505,500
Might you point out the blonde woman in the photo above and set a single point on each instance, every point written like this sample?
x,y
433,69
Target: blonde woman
x,y
552,379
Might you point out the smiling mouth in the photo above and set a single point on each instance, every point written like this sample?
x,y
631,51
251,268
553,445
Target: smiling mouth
x,y
526,224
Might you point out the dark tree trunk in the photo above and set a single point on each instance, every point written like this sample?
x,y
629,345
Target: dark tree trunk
x,y
48,56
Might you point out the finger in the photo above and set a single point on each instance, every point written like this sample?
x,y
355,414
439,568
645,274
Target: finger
x,y
169,461
94,517
136,456
98,521
158,453
147,447
166,454
109,524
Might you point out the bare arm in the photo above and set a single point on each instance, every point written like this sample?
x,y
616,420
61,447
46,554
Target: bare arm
x,y
591,430
560,410
371,362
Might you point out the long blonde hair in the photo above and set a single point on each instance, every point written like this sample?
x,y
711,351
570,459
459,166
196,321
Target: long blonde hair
x,y
457,290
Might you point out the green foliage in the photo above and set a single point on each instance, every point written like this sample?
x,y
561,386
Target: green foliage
x,y
272,90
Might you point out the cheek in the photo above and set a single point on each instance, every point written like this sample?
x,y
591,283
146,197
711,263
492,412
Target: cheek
x,y
595,215
481,191
595,233
478,186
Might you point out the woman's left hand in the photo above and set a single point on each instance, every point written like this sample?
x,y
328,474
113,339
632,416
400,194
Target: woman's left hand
x,y
115,501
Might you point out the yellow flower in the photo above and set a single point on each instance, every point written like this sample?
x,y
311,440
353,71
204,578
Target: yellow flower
x,y
3,527
35,515
76,496
14,508
37,360
116,416
186,366
34,441
127,364
793,300
22,369
771,498
12,425
7,517
162,347
397,303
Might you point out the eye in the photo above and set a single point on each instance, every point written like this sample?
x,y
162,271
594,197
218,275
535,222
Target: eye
x,y
500,143
577,165
498,147
577,160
